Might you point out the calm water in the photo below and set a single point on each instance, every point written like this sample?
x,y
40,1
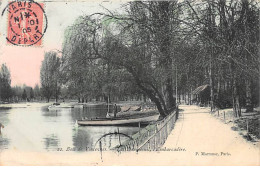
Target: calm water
x,y
36,128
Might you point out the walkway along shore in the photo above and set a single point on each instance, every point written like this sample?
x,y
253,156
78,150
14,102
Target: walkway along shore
x,y
208,141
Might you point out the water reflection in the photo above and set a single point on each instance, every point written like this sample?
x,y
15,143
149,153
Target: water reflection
x,y
36,128
51,142
87,137
52,113
4,141
81,139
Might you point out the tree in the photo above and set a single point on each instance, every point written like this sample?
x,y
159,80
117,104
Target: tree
x,y
5,83
50,76
31,94
229,31
140,43
86,75
24,95
157,43
37,92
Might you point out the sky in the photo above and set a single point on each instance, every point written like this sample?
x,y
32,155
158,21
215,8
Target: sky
x,y
24,62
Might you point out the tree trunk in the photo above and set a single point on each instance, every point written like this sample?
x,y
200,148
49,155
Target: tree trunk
x,y
218,89
211,86
170,102
211,24
249,105
56,96
165,50
144,96
190,96
236,101
151,95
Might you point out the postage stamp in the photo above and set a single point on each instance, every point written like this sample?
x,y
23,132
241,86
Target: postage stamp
x,y
27,23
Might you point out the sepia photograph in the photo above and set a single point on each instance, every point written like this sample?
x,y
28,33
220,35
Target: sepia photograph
x,y
129,83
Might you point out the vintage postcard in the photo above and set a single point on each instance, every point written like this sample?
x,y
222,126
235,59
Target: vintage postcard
x,y
129,83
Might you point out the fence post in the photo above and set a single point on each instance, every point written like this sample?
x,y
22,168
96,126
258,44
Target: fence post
x,y
163,134
100,149
167,129
173,122
166,126
177,113
247,127
160,137
148,145
139,125
119,137
154,142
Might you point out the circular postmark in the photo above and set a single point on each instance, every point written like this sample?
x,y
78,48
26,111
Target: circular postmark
x,y
27,23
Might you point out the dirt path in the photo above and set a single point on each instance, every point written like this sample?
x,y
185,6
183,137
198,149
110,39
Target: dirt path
x,y
209,141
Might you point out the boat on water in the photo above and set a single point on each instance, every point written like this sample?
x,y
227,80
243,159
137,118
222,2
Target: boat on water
x,y
56,106
78,106
144,119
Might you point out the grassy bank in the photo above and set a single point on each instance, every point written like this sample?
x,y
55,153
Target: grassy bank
x,y
247,125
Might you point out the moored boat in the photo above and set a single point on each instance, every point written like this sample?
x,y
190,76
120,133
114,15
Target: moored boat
x,y
78,106
58,106
118,120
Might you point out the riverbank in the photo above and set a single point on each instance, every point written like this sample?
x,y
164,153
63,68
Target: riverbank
x,y
40,104
247,125
24,105
125,108
119,103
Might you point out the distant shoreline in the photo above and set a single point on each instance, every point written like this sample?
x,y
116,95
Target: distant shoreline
x,y
43,103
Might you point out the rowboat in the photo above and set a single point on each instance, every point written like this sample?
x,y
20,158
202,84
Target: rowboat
x,y
118,120
78,106
56,106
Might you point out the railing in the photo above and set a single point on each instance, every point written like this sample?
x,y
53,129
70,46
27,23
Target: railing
x,y
152,137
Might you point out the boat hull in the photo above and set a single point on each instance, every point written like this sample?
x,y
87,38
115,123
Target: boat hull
x,y
59,107
78,106
118,122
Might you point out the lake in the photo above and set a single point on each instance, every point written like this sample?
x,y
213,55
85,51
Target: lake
x,y
35,128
